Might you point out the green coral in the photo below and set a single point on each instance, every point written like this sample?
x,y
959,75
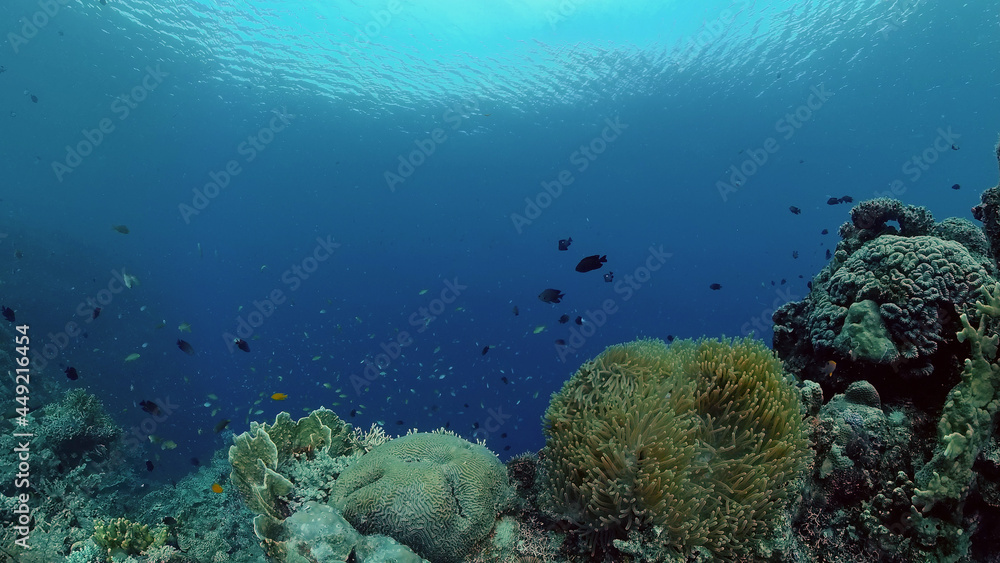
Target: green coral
x,y
698,445
436,493
864,334
964,430
122,537
257,455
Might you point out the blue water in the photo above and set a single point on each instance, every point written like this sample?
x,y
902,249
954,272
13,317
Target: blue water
x,y
503,100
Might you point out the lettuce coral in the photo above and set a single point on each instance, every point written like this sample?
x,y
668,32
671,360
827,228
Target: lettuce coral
x,y
702,441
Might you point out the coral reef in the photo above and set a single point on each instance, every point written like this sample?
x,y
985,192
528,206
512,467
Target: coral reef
x,y
697,446
888,298
256,455
436,493
122,537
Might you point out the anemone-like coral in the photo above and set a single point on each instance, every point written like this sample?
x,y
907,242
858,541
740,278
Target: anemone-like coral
x,y
702,442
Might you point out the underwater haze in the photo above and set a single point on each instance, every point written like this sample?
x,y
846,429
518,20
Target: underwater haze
x,y
365,192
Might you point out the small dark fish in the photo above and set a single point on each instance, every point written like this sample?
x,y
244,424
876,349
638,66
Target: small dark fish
x,y
824,232
564,319
516,311
185,347
783,282
506,448
447,424
195,462
956,187
564,243
96,313
795,254
150,407
954,147
400,423
560,342
809,285
579,320
832,201
794,210
169,520
475,425
8,313
120,228
149,465
548,296
847,199
609,277
504,435
828,254
242,344
18,254
72,374
485,349
222,424
715,286
591,263
34,99
772,282
670,338
504,379
354,412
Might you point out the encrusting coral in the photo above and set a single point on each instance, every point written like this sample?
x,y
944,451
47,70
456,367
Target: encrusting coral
x,y
698,445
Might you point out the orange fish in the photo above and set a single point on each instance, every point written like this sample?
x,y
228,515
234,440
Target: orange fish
x,y
216,488
829,367
279,396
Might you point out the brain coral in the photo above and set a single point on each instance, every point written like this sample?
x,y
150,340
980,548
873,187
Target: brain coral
x,y
702,439
887,302
436,493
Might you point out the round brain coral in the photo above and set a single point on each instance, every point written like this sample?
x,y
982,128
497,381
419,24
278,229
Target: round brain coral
x,y
703,439
436,493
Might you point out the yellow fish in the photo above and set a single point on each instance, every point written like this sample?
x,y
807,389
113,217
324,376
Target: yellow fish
x,y
184,327
168,445
315,358
132,357
216,488
422,291
829,368
279,396
539,328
